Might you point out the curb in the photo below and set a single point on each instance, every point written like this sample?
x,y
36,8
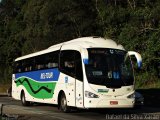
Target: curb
x,y
3,94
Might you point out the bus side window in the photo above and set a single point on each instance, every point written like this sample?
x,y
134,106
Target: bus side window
x,y
40,66
40,62
18,67
28,64
52,59
67,63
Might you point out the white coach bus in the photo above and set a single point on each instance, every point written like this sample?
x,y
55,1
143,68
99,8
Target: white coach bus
x,y
88,72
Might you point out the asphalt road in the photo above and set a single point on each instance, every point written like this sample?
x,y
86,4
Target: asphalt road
x,y
13,108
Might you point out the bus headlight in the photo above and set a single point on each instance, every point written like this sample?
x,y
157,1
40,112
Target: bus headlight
x,y
90,95
131,96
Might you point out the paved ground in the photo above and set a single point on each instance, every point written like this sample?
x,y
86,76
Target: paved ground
x,y
14,109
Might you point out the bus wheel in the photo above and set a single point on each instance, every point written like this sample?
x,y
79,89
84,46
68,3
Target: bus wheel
x,y
63,104
23,100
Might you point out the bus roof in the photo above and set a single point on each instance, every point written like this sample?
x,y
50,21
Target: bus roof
x,y
83,42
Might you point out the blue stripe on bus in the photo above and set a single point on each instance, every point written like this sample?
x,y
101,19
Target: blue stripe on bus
x,y
139,64
41,75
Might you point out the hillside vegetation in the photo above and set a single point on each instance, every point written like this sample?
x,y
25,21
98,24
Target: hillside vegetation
x,y
28,26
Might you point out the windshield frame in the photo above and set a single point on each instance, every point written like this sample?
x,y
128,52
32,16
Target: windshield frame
x,y
97,75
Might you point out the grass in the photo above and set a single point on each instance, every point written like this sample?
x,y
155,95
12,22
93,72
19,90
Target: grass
x,y
4,87
147,80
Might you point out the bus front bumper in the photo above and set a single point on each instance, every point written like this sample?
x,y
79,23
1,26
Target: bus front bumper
x,y
110,103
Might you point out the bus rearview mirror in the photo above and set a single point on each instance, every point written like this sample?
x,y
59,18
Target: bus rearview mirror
x,y
137,56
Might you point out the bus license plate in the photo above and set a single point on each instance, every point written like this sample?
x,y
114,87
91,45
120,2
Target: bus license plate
x,y
113,102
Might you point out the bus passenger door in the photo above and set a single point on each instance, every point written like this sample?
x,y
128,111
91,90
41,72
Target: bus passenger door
x,y
71,67
79,80
67,67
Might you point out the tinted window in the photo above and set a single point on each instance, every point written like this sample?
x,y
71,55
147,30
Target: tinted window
x,y
46,61
18,67
78,64
28,65
71,64
109,67
67,63
40,62
52,60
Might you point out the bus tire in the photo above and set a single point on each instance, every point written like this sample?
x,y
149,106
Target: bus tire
x,y
63,104
23,99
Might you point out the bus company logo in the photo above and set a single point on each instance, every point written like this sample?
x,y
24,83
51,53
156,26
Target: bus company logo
x,y
111,51
48,75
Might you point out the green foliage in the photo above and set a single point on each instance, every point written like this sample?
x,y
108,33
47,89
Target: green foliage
x,y
28,26
135,24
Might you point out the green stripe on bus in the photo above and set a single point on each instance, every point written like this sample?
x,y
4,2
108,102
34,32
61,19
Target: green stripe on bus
x,y
36,89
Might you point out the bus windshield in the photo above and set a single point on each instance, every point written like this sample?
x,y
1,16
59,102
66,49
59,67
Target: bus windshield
x,y
109,67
